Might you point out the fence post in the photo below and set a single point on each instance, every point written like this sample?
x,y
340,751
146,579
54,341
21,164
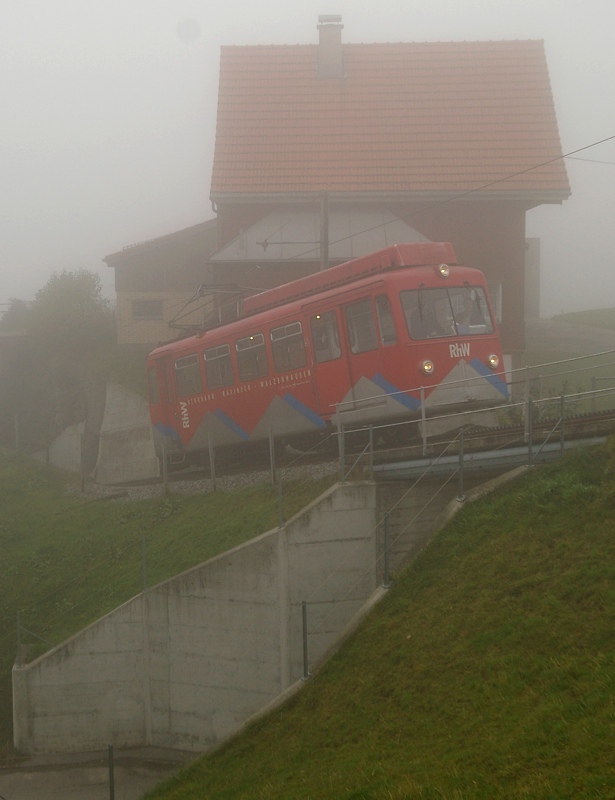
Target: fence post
x,y
526,400
212,463
424,420
280,505
19,653
164,465
342,445
306,674
272,457
386,581
144,562
111,774
562,413
460,494
530,414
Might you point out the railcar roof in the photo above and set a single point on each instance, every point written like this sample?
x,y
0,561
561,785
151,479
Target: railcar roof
x,y
285,310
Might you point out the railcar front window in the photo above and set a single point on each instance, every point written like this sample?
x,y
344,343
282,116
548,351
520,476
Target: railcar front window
x,y
325,337
361,327
456,311
218,367
252,357
288,347
188,375
471,311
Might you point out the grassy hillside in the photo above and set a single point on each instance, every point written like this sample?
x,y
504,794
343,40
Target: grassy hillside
x,y
488,671
598,318
65,560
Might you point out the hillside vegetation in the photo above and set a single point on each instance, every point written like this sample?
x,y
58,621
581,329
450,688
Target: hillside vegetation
x,y
488,671
597,318
67,560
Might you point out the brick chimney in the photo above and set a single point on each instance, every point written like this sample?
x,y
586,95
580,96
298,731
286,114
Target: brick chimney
x,y
330,61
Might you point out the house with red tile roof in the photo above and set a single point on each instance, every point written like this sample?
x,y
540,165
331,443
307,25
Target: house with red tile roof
x,y
329,151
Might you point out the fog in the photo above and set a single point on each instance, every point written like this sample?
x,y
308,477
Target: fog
x,y
109,113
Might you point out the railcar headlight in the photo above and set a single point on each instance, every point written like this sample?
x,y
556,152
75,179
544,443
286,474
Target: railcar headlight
x,y
493,361
428,366
444,270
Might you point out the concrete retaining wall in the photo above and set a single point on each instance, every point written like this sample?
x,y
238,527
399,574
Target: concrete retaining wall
x,y
186,663
114,445
126,446
65,451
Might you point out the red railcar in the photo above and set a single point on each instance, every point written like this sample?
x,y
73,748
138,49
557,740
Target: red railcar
x,y
400,333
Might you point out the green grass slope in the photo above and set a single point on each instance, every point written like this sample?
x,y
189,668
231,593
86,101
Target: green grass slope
x,y
487,672
65,561
598,318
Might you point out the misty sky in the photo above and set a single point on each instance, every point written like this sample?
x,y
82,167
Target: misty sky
x,y
109,112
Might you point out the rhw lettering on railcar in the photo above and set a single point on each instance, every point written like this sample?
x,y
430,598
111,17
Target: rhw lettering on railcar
x,y
459,350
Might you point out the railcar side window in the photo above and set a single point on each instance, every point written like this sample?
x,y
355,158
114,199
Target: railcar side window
x,y
152,380
288,347
361,327
252,357
386,323
458,311
218,366
188,375
325,337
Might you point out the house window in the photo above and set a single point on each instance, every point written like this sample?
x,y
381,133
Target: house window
x,y
188,375
288,347
251,357
146,309
218,366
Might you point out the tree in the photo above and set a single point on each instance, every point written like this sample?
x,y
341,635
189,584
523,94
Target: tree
x,y
50,378
70,316
15,318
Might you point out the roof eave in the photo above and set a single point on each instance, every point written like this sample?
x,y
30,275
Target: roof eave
x,y
534,196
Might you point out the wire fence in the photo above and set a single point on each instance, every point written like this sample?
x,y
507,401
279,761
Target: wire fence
x,y
356,460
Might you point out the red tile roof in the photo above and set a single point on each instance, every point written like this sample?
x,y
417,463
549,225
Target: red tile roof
x,y
405,118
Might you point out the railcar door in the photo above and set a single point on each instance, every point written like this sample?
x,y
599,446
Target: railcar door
x,y
329,362
364,320
163,407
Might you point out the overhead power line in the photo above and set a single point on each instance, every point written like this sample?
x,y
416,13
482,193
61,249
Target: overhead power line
x,y
481,188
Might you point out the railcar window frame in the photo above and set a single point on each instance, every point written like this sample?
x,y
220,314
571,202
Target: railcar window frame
x,y
361,326
186,374
219,371
386,322
252,361
288,347
325,332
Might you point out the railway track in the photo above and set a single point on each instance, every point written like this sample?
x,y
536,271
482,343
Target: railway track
x,y
235,462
